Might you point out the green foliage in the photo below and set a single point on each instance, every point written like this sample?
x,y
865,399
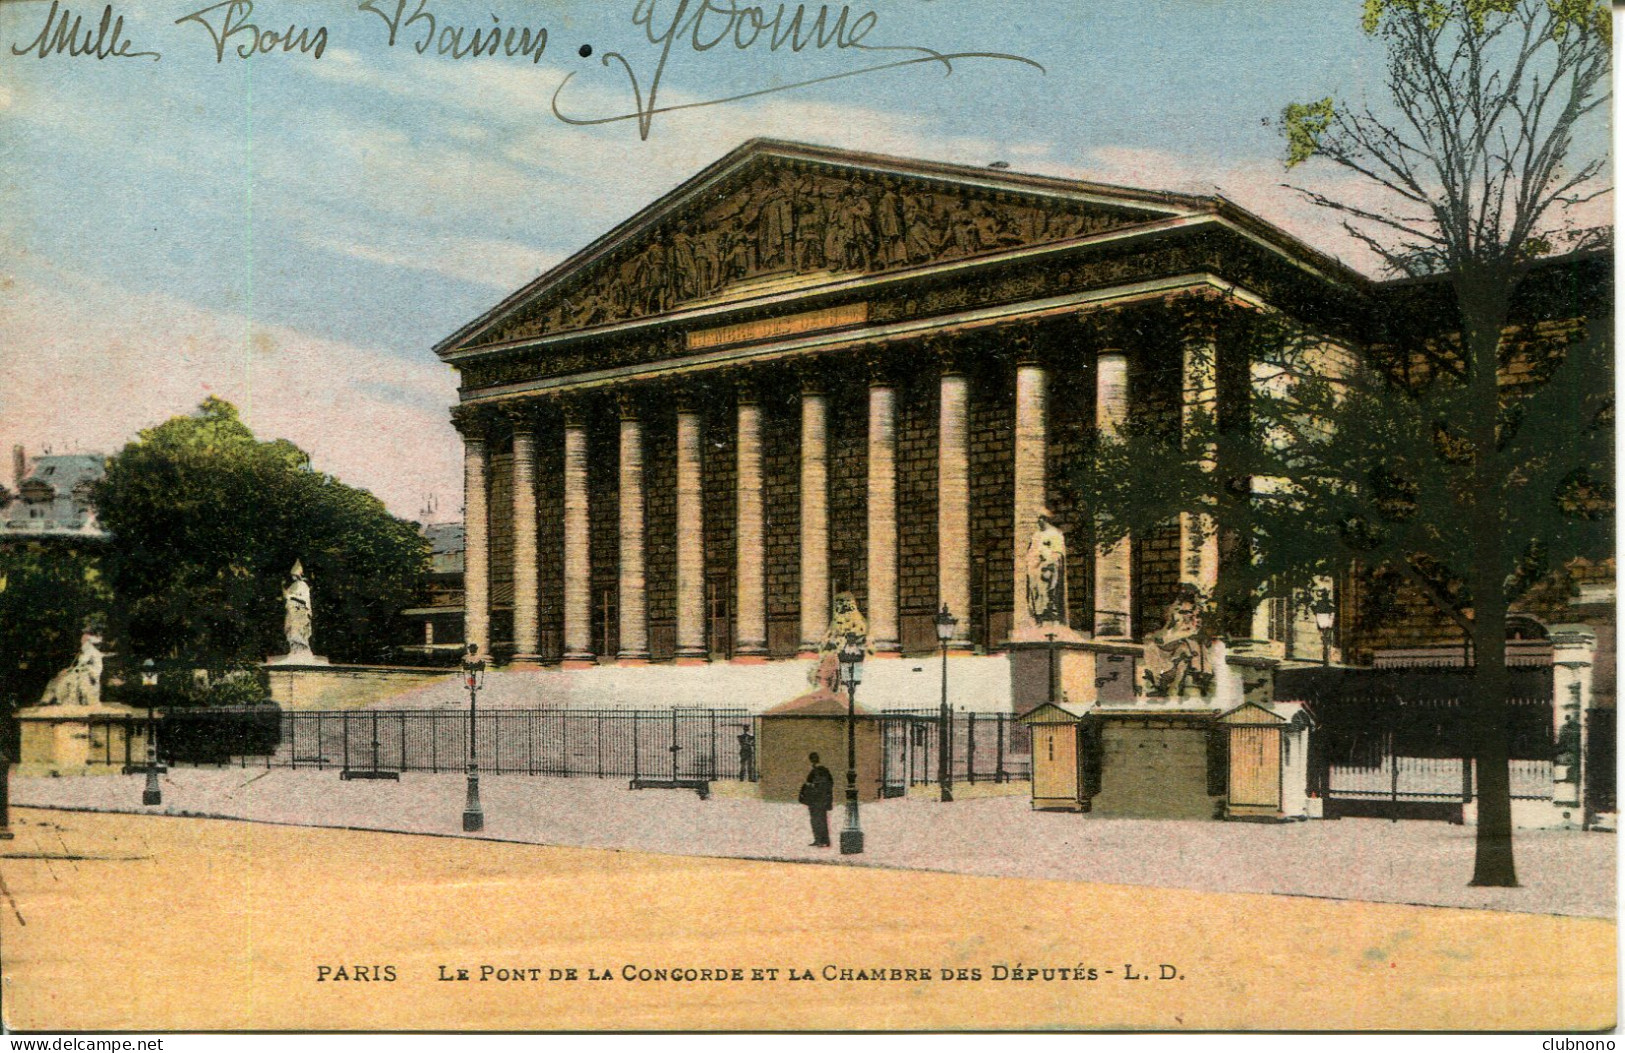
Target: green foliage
x,y
1351,469
207,523
49,594
1305,123
1472,156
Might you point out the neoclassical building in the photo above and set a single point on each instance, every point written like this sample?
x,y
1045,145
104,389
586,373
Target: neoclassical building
x,y
807,371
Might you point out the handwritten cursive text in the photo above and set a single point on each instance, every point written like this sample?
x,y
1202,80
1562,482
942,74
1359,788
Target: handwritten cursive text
x,y
456,41
59,36
708,24
228,24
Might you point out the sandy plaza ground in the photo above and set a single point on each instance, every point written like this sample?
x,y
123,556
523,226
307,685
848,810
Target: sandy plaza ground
x,y
989,830
246,925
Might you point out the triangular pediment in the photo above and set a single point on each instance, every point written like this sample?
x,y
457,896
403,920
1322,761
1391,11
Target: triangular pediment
x,y
773,217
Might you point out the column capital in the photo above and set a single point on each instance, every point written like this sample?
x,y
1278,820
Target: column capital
x,y
1104,331
953,358
878,364
629,403
748,387
575,410
472,422
812,375
1200,315
521,417
1022,339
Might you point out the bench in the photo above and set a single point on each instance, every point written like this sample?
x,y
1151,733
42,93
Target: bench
x,y
699,786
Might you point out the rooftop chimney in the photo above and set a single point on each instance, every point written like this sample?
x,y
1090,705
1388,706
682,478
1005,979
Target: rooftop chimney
x,y
19,465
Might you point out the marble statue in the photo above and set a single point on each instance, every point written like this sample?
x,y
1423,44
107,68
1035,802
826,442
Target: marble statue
x,y
1046,573
1181,648
80,684
847,627
297,621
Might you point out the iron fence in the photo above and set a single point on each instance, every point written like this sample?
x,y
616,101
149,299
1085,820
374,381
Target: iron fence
x,y
984,747
664,744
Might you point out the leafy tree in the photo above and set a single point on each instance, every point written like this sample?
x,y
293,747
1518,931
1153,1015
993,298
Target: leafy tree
x,y
207,521
1476,168
1468,455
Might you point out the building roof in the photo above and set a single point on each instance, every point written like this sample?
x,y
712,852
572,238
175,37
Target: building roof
x,y
445,538
64,471
1117,210
53,499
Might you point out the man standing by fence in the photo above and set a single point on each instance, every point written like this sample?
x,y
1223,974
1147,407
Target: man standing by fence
x,y
818,794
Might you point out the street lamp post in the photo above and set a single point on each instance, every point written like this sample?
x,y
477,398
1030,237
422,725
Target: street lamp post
x,y
474,678
152,794
1325,612
1051,638
851,659
946,623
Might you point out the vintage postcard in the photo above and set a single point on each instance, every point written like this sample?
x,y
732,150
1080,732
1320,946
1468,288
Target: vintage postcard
x,y
694,515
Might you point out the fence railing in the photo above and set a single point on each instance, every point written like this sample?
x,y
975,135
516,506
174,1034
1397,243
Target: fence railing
x,y
1431,779
678,743
985,747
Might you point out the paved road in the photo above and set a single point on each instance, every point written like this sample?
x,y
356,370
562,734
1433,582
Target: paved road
x,y
1563,872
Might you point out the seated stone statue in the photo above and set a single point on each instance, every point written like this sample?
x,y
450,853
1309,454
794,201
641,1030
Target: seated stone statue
x,y
80,684
1179,650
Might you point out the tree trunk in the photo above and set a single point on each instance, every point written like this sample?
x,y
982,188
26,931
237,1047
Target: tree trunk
x,y
1492,862
1482,295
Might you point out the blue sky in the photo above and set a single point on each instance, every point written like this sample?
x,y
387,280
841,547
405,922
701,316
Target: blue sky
x,y
295,233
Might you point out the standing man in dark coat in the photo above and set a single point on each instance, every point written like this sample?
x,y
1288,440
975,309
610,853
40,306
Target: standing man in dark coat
x,y
818,794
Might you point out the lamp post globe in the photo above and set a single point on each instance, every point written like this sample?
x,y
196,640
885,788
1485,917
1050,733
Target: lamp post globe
x,y
151,793
1325,612
473,679
946,624
851,662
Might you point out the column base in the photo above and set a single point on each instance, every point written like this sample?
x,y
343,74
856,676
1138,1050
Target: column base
x,y
525,663
691,659
579,660
749,656
635,658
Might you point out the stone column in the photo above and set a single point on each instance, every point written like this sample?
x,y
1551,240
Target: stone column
x,y
882,551
1114,568
1031,460
632,598
577,540
814,516
1574,651
750,540
953,499
477,534
690,538
1199,393
527,639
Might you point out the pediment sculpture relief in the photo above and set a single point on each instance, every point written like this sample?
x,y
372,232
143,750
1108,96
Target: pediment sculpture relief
x,y
788,221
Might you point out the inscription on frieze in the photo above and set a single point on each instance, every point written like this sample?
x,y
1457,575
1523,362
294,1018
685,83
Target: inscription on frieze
x,y
778,328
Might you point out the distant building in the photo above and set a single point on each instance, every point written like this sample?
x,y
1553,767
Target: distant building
x,y
439,618
51,497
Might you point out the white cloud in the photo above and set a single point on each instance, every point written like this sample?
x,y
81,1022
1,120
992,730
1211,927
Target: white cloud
x,y
104,362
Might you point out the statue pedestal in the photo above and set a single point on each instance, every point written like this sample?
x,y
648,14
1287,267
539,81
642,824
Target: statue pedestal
x,y
305,658
80,740
1075,671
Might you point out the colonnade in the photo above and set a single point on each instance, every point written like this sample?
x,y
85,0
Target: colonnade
x,y
1113,569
